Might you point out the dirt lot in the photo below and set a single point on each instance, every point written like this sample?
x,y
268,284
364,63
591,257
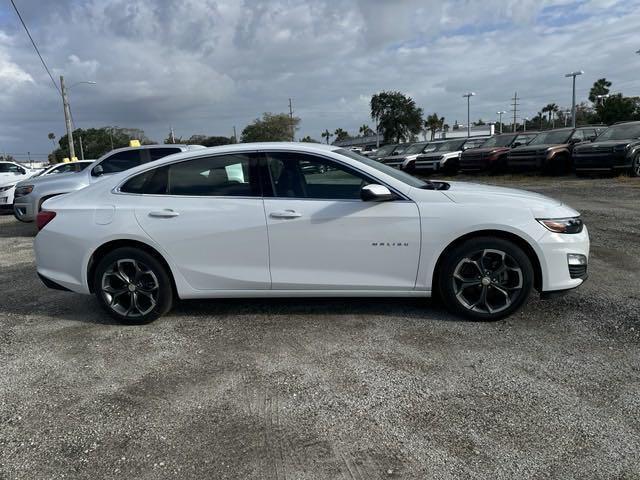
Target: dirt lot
x,y
360,389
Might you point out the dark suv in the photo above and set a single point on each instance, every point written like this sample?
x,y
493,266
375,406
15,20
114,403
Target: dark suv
x,y
492,154
550,151
617,148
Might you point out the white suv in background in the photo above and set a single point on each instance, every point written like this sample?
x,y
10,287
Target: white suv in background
x,y
445,157
30,194
10,174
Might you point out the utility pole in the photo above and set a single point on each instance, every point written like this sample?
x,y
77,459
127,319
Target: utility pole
x,y
291,121
500,114
573,95
67,118
468,96
235,136
29,157
514,109
81,149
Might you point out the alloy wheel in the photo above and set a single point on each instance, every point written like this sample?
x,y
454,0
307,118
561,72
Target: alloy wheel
x,y
487,281
130,288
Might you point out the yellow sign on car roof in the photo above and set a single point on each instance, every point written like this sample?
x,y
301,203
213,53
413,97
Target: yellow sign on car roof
x,y
134,143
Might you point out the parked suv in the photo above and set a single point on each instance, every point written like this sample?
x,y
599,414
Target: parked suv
x,y
445,156
617,148
398,160
492,154
550,151
30,193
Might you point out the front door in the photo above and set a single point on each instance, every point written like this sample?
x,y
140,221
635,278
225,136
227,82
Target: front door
x,y
322,236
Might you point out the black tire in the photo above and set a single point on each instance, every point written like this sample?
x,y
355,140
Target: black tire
x,y
451,167
635,166
133,286
504,293
558,166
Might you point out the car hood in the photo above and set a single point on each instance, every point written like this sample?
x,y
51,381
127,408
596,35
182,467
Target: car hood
x,y
605,145
70,181
492,196
537,148
489,150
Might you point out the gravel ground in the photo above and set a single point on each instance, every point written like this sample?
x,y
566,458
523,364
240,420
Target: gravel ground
x,y
356,389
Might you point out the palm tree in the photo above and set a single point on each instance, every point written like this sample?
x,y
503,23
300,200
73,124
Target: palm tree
x,y
551,109
52,136
327,134
365,131
433,123
341,134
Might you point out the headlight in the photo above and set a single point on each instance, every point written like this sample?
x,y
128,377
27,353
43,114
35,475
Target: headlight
x,y
23,190
5,188
562,225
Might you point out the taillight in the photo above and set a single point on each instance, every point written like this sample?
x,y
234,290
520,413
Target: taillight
x,y
44,217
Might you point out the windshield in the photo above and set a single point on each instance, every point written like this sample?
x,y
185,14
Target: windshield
x,y
382,151
450,146
552,138
416,148
400,149
620,132
499,141
381,167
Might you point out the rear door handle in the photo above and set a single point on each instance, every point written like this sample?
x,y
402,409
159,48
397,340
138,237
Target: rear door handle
x,y
285,214
166,213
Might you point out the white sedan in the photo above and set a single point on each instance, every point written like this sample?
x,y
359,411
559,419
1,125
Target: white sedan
x,y
10,174
303,220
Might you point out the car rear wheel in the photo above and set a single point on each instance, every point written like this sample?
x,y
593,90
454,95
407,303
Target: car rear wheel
x,y
485,278
133,286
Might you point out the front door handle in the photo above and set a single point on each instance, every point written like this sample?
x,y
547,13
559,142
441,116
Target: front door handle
x,y
285,214
166,213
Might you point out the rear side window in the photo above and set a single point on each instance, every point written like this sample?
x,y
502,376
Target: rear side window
x,y
224,175
157,153
119,162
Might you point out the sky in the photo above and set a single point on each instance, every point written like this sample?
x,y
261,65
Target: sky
x,y
205,66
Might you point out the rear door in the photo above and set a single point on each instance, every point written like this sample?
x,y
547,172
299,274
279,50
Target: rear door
x,y
207,214
322,236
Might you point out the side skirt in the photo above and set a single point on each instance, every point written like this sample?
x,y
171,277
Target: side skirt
x,y
302,293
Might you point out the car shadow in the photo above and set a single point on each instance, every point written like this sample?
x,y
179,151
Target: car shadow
x,y
34,299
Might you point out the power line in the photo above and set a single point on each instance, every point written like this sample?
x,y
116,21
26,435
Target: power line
x,y
35,46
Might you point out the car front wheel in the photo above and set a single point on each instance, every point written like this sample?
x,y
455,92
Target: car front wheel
x,y
133,286
485,278
635,166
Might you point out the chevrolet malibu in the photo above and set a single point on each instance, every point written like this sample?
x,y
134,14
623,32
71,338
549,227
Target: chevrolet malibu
x,y
252,220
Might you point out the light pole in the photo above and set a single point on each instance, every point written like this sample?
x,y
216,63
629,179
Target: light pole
x,y
500,120
67,114
601,98
524,123
573,97
468,96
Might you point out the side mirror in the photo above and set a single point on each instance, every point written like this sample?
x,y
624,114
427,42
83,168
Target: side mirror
x,y
98,170
573,141
517,144
376,193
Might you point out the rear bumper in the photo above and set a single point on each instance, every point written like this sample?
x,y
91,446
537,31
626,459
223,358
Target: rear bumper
x,y
51,284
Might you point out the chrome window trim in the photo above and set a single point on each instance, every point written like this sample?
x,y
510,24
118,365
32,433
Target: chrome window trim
x,y
117,189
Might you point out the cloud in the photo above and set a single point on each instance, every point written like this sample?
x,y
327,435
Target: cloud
x,y
203,66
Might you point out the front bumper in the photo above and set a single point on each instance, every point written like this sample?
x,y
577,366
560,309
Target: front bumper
x,y
23,209
557,274
600,161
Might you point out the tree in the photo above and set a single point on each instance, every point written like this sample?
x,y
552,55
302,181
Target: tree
x,y
365,131
551,109
272,127
341,134
327,134
433,123
479,123
398,116
52,136
600,87
98,141
618,108
308,139
7,158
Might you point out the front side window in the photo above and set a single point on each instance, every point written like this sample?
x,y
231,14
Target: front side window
x,y
298,175
578,135
552,138
523,139
220,176
118,162
498,141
